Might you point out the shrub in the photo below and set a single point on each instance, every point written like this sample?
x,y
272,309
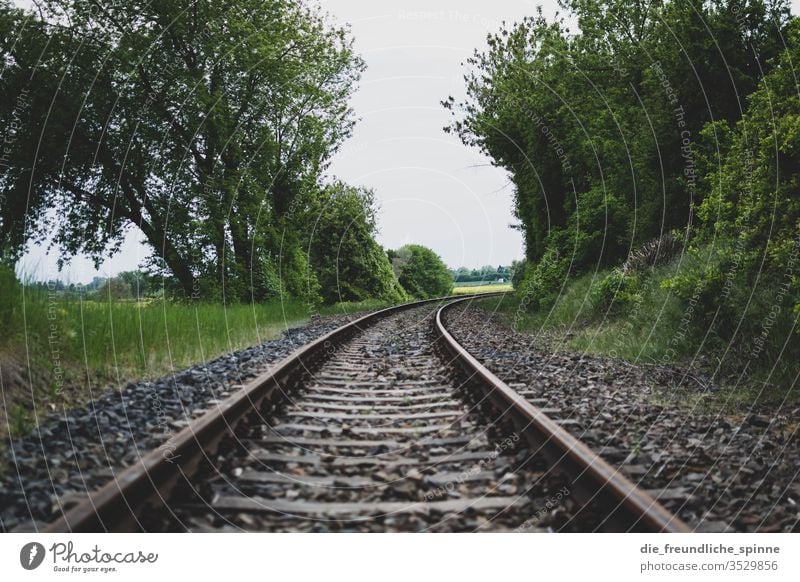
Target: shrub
x,y
421,272
541,284
518,273
732,307
615,291
655,252
11,292
349,264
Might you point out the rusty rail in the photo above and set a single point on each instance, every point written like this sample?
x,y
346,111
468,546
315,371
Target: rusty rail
x,y
147,484
594,480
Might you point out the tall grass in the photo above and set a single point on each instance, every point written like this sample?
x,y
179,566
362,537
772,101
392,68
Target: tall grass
x,y
120,338
655,326
54,347
159,336
353,307
640,330
116,339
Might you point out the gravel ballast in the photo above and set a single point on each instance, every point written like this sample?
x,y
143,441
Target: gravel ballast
x,y
379,438
718,472
75,451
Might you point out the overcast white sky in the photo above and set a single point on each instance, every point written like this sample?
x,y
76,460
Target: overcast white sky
x,y
430,188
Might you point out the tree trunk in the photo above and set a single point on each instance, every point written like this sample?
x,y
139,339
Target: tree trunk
x,y
163,247
167,251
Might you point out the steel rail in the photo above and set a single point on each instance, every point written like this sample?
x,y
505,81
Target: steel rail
x,y
594,480
147,484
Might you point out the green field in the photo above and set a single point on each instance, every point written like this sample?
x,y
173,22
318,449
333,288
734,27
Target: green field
x,y
467,288
53,350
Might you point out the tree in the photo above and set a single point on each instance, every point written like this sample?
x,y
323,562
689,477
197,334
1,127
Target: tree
x,y
114,288
421,272
206,125
517,273
349,264
749,231
599,129
139,283
461,274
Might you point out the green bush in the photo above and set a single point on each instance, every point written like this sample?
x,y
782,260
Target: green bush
x,y
10,291
349,264
655,252
543,281
421,272
518,275
297,278
616,291
734,305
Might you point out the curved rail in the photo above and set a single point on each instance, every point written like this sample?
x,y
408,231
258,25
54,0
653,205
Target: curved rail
x,y
595,481
148,482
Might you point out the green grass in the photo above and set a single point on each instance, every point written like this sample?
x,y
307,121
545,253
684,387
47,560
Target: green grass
x,y
159,336
467,288
643,334
658,328
351,307
641,331
52,349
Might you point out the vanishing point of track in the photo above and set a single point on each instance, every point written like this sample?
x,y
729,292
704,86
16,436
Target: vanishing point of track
x,y
384,424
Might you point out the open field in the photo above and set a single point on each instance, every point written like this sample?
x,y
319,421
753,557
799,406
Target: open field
x,y
467,288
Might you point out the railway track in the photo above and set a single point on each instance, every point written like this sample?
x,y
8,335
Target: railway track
x,y
385,424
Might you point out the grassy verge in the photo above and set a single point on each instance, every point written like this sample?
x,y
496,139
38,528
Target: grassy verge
x,y
52,349
353,307
646,323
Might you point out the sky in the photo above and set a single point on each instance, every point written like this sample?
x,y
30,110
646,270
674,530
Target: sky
x,y
430,188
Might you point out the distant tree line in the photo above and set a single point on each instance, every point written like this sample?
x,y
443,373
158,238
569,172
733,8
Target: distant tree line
x,y
134,285
485,273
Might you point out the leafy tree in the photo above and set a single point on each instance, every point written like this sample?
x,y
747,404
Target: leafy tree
x,y
349,264
205,125
461,274
421,272
139,283
114,288
749,235
486,273
600,129
517,273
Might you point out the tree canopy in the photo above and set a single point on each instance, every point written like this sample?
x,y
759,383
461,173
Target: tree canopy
x,y
204,125
602,129
350,265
